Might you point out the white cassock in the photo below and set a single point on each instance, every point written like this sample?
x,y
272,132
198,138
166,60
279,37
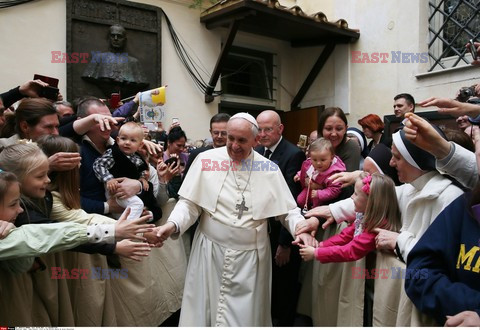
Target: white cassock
x,y
229,273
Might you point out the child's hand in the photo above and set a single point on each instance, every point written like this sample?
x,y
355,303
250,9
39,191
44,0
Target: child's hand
x,y
130,229
296,178
307,181
305,239
307,252
313,193
144,184
5,228
132,250
112,186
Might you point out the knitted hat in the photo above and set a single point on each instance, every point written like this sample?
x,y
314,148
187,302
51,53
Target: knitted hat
x,y
414,155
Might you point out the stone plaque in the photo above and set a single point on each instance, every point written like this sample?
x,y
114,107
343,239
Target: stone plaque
x,y
112,46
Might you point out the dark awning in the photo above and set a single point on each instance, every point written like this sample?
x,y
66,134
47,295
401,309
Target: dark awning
x,y
269,18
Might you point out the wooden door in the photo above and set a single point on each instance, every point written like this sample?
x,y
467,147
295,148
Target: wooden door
x,y
300,122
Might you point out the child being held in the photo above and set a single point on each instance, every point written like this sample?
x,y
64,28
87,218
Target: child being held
x,y
123,160
376,206
313,176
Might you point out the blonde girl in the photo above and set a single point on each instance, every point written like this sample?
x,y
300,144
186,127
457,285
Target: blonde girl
x,y
376,206
138,300
17,249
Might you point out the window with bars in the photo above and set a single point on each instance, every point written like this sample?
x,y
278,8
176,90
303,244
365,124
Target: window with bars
x,y
249,76
452,23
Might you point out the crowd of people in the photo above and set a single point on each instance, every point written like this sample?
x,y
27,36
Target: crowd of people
x,y
103,223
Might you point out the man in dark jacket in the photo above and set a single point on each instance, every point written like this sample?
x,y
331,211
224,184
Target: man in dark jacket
x,y
286,259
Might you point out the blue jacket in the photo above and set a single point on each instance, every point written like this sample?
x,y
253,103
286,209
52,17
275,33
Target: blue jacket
x,y
92,190
444,266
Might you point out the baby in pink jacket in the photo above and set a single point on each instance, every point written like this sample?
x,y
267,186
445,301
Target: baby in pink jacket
x,y
322,163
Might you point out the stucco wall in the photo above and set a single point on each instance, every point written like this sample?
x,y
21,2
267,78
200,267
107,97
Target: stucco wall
x,y
31,31
387,26
28,38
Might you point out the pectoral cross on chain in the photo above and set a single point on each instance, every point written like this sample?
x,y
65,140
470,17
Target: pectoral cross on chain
x,y
241,207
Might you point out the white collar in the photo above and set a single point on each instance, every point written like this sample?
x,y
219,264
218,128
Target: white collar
x,y
272,148
109,143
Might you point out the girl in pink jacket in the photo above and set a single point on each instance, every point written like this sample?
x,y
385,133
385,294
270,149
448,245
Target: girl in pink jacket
x,y
376,206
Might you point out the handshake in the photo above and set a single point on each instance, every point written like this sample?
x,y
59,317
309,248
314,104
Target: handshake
x,y
160,234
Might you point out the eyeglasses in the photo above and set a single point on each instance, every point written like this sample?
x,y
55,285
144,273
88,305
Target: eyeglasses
x,y
221,133
266,130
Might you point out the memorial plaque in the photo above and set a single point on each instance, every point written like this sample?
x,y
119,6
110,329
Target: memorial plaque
x,y
119,47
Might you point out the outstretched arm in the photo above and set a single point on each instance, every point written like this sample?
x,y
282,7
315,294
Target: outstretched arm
x,y
450,156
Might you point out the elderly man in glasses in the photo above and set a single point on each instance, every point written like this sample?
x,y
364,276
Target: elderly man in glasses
x,y
286,260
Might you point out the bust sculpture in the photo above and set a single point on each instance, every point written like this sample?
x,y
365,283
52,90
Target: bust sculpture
x,y
116,71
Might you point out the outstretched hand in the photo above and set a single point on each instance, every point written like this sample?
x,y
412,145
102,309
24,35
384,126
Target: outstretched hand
x,y
345,178
452,107
130,228
132,250
105,122
322,212
64,161
151,147
305,239
163,232
307,252
307,226
421,133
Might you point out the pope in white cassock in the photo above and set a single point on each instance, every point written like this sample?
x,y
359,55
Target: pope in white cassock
x,y
234,190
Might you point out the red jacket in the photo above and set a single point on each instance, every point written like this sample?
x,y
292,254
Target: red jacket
x,y
345,246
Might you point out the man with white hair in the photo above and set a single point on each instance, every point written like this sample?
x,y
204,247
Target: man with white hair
x,y
234,190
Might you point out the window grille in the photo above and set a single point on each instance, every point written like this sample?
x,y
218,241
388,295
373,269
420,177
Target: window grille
x,y
250,75
452,23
